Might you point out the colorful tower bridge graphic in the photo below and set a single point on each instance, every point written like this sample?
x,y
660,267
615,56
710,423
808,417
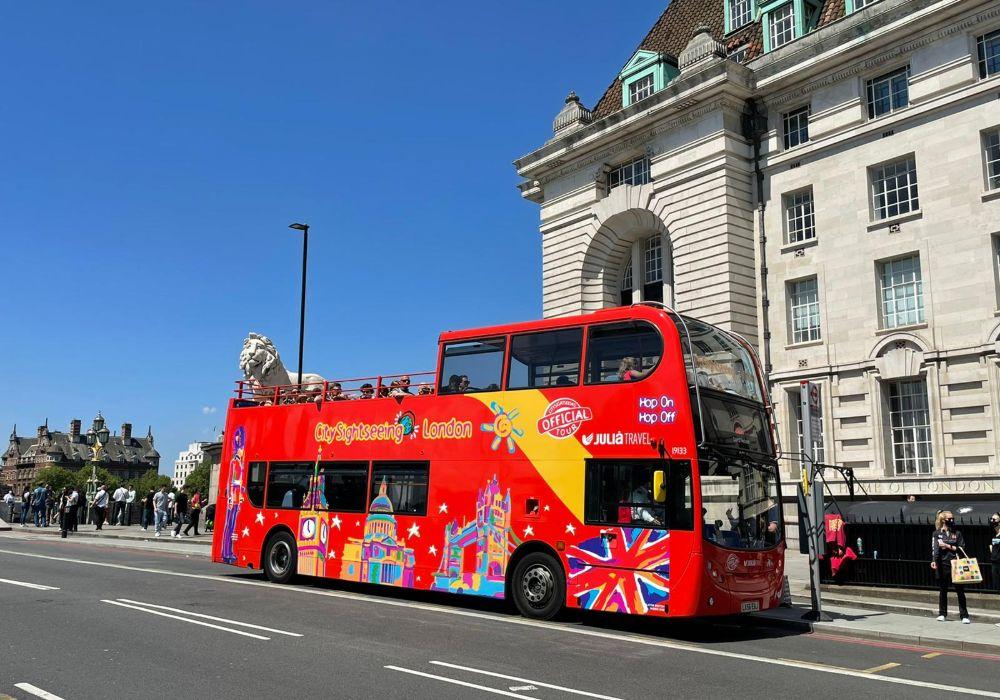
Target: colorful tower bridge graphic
x,y
488,533
380,556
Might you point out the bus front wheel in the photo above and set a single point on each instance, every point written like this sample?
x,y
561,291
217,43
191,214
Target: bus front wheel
x,y
279,558
539,586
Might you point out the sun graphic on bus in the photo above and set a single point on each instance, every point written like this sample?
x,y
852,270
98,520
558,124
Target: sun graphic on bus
x,y
502,427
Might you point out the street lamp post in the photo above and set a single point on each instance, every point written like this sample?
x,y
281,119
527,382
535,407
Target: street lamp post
x,y
304,228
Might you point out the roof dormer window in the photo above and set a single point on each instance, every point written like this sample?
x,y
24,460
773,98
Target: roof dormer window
x,y
646,72
738,14
783,21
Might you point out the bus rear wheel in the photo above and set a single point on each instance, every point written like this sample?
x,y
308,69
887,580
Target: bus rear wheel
x,y
279,558
539,586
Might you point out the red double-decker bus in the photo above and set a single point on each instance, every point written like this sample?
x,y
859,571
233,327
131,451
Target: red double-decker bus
x,y
617,461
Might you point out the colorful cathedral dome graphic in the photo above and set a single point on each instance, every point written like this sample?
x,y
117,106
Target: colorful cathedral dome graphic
x,y
381,504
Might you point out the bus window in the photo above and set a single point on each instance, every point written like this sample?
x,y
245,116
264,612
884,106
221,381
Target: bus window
x,y
474,365
400,487
288,484
620,493
545,359
621,352
719,363
343,486
255,483
680,503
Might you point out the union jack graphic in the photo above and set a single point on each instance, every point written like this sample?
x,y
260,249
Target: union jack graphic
x,y
628,573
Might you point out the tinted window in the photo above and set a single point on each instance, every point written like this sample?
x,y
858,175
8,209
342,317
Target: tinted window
x,y
400,486
255,482
343,485
545,359
620,493
622,352
288,484
474,365
720,363
680,505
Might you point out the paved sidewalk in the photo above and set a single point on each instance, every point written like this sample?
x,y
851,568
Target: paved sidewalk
x,y
134,533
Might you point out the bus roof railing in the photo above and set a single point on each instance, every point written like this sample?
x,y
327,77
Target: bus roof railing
x,y
379,386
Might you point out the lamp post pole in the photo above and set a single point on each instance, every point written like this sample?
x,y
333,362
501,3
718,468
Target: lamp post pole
x,y
304,228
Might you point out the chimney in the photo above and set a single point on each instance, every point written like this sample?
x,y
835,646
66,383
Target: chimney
x,y
74,430
126,432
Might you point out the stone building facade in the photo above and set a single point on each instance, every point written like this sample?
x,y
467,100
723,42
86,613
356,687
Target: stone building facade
x,y
124,455
823,177
186,462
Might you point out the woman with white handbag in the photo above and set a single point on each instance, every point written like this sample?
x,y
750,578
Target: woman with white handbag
x,y
945,545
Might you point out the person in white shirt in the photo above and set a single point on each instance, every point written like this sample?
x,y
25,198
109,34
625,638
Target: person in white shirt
x,y
129,500
8,497
118,515
100,506
171,498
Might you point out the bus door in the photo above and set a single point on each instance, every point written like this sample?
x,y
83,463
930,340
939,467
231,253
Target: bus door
x,y
625,566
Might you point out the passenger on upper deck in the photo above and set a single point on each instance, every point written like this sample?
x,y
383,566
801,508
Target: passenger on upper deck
x,y
401,387
336,393
367,391
628,370
425,390
463,383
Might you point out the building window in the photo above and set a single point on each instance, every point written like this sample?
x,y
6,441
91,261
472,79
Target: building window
x,y
861,4
739,54
796,125
635,172
888,93
989,54
640,89
819,449
781,25
894,188
626,285
902,292
800,218
991,141
803,300
909,418
740,13
652,257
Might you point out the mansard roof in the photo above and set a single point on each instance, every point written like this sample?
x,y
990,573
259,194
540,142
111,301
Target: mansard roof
x,y
116,450
677,25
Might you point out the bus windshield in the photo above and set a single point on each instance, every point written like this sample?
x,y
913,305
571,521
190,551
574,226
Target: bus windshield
x,y
740,504
719,362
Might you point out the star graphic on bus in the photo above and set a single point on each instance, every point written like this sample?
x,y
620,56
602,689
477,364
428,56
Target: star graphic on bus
x,y
260,518
432,550
414,530
336,521
443,508
529,531
502,427
246,532
571,529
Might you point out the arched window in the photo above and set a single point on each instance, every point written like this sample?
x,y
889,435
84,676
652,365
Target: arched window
x,y
626,286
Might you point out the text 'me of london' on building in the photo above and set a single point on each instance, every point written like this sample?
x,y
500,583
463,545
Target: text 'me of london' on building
x,y
125,456
822,176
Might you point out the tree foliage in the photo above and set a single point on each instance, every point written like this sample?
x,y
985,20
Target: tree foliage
x,y
59,478
151,481
199,477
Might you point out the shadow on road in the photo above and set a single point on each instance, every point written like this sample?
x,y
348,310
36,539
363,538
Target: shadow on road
x,y
705,631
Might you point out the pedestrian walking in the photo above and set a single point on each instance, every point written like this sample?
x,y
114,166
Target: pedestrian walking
x,y
171,507
38,506
50,504
147,510
195,514
160,502
81,510
129,500
25,506
100,506
118,514
63,505
945,546
181,508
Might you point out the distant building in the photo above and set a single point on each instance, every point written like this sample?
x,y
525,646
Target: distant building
x,y
212,451
125,456
186,461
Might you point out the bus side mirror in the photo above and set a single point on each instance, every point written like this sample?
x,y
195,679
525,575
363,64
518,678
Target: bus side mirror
x,y
659,486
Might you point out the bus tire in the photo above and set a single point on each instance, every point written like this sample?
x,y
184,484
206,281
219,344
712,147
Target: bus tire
x,y
280,557
539,586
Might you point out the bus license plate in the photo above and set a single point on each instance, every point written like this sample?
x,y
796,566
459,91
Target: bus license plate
x,y
750,606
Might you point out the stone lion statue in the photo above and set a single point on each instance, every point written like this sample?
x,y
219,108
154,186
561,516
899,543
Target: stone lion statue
x,y
262,366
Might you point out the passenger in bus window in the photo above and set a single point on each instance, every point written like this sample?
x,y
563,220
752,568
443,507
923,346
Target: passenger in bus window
x,y
453,384
463,383
640,498
563,380
628,370
367,391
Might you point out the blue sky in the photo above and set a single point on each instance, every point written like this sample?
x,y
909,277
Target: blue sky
x,y
154,154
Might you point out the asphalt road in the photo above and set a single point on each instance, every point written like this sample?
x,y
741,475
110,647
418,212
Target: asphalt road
x,y
124,622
